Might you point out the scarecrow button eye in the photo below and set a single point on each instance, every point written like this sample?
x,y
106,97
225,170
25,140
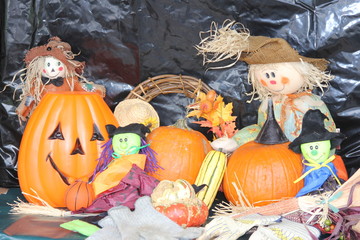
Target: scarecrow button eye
x,y
57,134
311,147
96,134
49,49
316,147
125,139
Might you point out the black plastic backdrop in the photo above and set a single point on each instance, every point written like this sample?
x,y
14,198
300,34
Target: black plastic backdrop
x,y
125,42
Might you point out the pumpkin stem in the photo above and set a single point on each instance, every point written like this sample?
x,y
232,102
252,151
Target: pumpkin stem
x,y
182,123
271,133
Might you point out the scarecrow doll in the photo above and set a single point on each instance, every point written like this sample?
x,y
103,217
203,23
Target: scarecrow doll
x,y
51,67
316,143
276,71
126,146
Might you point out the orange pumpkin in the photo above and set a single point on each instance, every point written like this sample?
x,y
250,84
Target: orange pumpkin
x,y
61,143
264,173
179,152
264,169
79,195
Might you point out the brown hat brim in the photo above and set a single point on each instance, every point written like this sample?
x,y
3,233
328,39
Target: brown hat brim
x,y
57,49
265,50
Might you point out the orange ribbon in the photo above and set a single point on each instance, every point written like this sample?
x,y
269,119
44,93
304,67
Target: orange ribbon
x,y
289,101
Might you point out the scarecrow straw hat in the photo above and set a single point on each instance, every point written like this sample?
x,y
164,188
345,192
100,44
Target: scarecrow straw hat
x,y
57,49
136,111
233,41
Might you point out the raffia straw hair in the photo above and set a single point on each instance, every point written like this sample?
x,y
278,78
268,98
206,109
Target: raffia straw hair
x,y
314,78
227,42
21,207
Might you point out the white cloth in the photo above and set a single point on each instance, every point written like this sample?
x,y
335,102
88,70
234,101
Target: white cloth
x,y
144,223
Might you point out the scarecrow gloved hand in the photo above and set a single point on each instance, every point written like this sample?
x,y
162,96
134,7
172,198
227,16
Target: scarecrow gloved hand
x,y
142,223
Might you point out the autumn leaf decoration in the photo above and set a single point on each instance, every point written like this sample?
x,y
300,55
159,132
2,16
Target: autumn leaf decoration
x,y
216,113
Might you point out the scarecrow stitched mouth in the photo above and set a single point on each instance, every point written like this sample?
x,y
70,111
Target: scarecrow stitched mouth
x,y
53,164
279,90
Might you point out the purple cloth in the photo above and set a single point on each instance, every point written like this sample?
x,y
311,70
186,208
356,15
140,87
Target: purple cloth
x,y
134,185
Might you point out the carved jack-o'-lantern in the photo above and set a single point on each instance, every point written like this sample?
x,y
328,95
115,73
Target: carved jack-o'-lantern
x,y
61,144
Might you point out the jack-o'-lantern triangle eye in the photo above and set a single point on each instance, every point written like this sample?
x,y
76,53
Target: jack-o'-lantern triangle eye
x,y
96,134
57,134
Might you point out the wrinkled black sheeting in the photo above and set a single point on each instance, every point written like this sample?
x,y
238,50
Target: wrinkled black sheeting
x,y
125,42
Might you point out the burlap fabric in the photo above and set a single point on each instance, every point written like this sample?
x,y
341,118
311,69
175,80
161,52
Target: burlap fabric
x,y
265,50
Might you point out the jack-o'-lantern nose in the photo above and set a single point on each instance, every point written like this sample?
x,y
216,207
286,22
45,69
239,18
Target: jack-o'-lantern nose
x,y
77,148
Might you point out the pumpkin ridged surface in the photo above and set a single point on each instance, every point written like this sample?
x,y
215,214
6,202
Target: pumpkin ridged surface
x,y
264,173
75,113
180,152
79,195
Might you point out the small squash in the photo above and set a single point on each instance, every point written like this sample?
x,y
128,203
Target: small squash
x,y
177,200
79,195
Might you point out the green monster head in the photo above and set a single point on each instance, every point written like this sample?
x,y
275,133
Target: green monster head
x,y
126,143
316,151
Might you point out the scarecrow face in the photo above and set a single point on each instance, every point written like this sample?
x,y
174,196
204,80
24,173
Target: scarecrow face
x,y
53,68
316,151
126,143
279,78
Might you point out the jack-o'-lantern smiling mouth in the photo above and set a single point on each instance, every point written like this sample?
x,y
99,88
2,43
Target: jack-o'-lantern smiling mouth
x,y
56,168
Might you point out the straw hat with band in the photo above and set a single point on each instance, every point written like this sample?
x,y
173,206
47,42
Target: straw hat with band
x,y
265,50
136,111
230,42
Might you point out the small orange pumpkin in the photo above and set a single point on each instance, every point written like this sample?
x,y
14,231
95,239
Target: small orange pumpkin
x,y
79,195
180,152
61,143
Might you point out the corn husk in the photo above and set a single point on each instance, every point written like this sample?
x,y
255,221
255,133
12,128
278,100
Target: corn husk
x,y
314,208
352,184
